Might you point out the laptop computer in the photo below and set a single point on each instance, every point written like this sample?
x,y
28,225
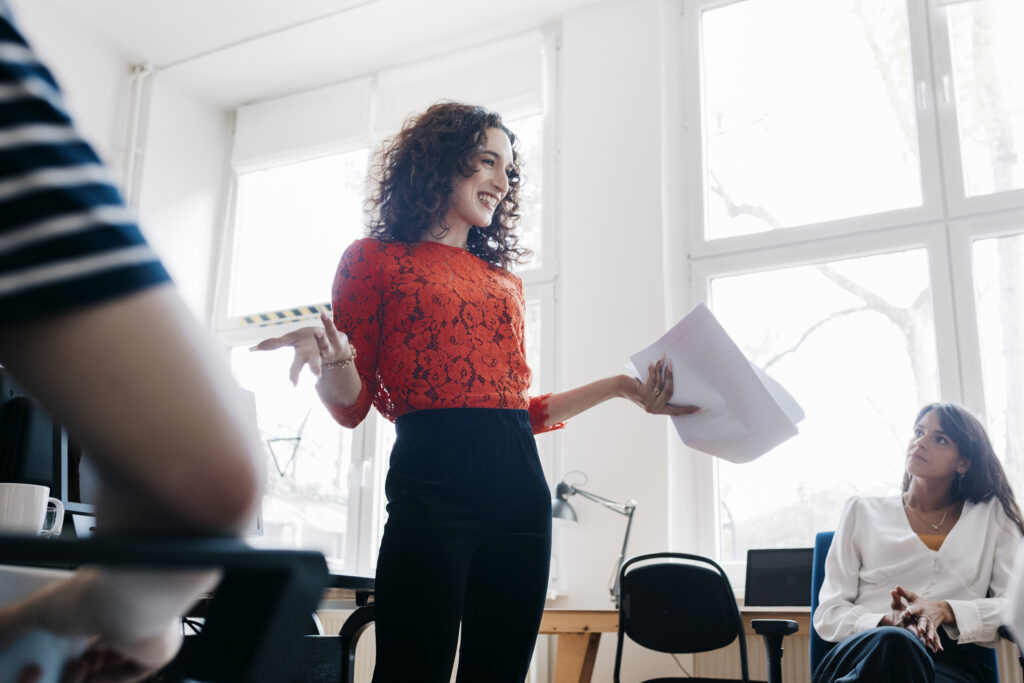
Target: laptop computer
x,y
778,577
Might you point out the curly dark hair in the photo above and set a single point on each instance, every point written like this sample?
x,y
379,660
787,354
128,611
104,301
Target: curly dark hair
x,y
415,173
985,478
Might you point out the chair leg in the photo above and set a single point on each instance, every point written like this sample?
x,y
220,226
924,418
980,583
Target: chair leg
x,y
773,656
773,631
350,633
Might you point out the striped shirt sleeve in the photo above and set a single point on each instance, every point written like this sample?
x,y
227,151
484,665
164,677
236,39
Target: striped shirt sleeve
x,y
67,239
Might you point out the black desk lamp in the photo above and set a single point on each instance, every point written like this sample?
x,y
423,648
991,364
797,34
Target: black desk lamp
x,y
562,510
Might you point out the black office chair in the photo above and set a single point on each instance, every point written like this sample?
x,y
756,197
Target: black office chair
x,y
686,605
253,622
323,658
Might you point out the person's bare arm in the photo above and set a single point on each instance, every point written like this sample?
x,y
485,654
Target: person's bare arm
x,y
652,395
151,400
142,387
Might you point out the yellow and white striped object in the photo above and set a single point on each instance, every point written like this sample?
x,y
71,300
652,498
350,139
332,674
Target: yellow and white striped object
x,y
285,315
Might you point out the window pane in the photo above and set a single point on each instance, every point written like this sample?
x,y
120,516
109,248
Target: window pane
x,y
987,57
999,288
292,224
385,442
530,131
854,342
810,120
308,458
533,341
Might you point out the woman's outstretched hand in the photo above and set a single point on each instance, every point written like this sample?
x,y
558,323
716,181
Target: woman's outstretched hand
x,y
654,394
313,346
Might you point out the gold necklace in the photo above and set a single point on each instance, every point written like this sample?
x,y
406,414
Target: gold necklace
x,y
935,527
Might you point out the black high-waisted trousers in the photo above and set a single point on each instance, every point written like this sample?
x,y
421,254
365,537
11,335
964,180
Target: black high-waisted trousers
x,y
468,539
894,655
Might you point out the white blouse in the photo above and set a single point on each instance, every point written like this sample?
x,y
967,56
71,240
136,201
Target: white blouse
x,y
874,550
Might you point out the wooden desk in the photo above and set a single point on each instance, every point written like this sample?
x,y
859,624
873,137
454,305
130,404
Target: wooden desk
x,y
578,630
347,592
579,634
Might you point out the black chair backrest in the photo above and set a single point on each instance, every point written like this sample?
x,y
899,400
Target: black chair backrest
x,y
29,440
681,605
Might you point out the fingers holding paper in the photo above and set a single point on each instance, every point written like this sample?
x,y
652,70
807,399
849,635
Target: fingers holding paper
x,y
654,394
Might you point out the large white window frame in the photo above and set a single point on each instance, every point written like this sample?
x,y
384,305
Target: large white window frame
x,y
945,224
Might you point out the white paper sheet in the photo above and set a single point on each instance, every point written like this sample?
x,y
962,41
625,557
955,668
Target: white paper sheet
x,y
744,412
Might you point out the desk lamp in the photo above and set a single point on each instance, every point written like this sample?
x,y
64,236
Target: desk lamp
x,y
562,510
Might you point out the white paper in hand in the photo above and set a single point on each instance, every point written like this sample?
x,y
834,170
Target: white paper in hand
x,y
744,413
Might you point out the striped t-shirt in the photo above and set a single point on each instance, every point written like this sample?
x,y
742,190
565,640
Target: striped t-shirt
x,y
66,237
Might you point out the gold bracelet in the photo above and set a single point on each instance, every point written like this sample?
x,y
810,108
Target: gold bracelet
x,y
340,364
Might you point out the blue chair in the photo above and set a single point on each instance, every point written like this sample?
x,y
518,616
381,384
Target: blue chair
x,y
818,647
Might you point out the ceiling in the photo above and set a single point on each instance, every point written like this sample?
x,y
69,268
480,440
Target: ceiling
x,y
236,51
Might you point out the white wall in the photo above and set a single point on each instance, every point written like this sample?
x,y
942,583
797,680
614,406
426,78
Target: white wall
x,y
612,289
184,181
184,152
91,73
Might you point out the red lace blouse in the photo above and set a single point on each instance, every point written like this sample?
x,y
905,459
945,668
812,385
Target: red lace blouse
x,y
435,327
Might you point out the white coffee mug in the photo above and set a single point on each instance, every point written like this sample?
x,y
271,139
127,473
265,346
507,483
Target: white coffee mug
x,y
23,509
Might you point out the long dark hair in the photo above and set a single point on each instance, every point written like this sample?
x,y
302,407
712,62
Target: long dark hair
x,y
415,173
985,477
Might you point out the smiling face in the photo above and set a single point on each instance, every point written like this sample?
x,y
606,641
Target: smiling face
x,y
475,198
931,453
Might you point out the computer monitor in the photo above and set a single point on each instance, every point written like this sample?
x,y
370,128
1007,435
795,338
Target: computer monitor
x,y
778,577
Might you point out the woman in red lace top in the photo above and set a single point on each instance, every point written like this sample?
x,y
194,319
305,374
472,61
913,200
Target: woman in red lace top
x,y
429,328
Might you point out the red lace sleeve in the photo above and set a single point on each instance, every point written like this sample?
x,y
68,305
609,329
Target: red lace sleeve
x,y
356,302
352,415
539,415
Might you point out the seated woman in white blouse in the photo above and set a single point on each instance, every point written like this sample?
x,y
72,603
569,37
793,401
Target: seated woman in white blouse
x,y
914,583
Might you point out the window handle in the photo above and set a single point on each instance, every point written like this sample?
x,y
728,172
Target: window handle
x,y
947,89
922,96
364,475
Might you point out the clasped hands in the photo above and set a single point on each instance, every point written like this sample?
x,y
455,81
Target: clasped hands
x,y
919,616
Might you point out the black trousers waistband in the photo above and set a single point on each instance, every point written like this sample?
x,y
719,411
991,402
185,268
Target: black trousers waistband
x,y
460,418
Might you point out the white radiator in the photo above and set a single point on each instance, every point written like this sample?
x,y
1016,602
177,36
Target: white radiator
x,y
331,620
726,662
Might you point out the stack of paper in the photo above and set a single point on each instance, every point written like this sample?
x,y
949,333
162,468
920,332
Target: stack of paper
x,y
744,412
